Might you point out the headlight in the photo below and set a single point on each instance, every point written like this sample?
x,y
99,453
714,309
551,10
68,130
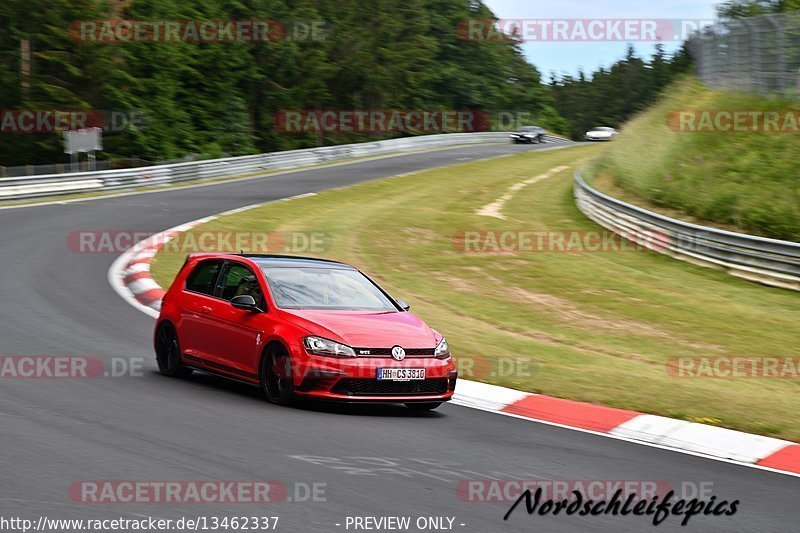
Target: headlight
x,y
443,350
320,346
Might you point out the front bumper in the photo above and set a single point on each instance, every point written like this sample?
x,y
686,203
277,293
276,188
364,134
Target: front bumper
x,y
355,379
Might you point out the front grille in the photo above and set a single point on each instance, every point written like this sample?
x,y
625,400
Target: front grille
x,y
387,352
374,387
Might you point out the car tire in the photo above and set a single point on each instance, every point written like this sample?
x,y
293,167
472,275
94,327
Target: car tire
x,y
168,351
424,406
276,377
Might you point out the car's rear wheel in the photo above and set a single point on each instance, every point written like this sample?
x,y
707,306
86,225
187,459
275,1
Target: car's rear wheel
x,y
168,352
277,380
423,406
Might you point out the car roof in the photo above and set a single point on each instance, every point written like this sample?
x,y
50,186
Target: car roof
x,y
291,261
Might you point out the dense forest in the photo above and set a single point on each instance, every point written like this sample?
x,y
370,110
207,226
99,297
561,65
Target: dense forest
x,y
214,98
608,97
737,9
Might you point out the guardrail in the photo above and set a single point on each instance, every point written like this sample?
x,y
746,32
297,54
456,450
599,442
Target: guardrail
x,y
768,261
108,180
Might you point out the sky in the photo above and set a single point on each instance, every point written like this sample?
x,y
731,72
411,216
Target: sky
x,y
568,57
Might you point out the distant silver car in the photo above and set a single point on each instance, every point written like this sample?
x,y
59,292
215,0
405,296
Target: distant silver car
x,y
601,133
528,134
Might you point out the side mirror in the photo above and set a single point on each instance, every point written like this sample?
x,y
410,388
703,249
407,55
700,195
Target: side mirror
x,y
403,305
245,302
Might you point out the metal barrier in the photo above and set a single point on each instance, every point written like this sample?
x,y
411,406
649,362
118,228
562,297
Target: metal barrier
x,y
109,180
768,261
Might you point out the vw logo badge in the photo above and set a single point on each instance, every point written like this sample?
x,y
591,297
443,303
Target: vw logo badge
x,y
398,353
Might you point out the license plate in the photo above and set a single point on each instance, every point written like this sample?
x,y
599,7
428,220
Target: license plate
x,y
401,374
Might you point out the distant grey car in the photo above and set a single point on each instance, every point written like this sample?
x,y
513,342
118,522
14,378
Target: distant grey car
x,y
601,133
528,134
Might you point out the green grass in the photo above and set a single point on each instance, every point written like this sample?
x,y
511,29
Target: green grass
x,y
748,181
596,327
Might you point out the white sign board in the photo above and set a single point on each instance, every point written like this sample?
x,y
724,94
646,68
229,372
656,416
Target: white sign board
x,y
83,140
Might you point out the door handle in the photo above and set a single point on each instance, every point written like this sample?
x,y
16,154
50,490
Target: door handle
x,y
205,309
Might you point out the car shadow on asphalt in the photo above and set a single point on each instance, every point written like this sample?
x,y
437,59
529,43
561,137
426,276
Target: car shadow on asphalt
x,y
202,380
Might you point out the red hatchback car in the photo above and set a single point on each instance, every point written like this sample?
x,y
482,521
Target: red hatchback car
x,y
300,327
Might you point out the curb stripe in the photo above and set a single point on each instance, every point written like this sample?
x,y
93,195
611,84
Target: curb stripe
x,y
787,459
151,297
142,285
570,413
129,278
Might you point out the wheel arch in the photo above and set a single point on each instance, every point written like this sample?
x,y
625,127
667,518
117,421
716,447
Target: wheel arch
x,y
160,324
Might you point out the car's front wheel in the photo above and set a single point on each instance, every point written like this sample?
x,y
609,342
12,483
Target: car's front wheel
x,y
168,352
276,376
423,406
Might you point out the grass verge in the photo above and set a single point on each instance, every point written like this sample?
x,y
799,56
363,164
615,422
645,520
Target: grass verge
x,y
597,327
746,180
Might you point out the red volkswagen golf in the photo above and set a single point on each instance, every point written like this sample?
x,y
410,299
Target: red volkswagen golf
x,y
300,327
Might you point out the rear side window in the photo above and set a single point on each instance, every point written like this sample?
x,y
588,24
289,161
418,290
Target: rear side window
x,y
203,277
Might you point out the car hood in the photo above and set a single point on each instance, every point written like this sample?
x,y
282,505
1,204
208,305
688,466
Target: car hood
x,y
598,133
366,329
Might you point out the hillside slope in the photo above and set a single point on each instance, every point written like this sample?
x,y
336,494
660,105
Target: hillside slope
x,y
745,180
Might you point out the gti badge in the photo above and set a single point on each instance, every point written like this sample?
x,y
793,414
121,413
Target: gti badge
x,y
398,353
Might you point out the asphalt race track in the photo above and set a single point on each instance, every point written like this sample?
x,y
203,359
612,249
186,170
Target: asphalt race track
x,y
379,461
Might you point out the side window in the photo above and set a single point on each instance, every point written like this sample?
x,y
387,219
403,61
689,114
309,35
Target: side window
x,y
203,277
238,280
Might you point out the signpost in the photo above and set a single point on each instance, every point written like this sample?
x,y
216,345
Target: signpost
x,y
87,140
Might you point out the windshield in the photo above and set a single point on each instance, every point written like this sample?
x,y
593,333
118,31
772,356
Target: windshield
x,y
324,288
603,129
530,128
